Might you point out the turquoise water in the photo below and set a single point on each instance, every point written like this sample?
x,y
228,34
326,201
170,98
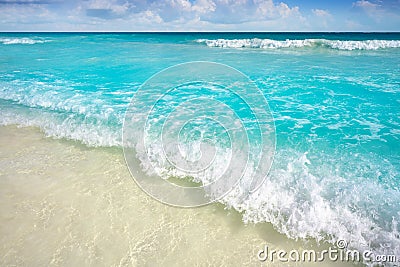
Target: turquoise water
x,y
335,99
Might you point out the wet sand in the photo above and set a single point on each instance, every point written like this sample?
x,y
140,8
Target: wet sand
x,y
64,204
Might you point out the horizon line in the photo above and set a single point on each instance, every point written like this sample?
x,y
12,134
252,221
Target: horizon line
x,y
365,32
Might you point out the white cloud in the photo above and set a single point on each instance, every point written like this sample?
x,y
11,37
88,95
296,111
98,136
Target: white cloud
x,y
204,6
183,5
365,4
321,13
242,11
150,17
377,14
265,8
116,8
285,11
184,15
25,15
373,10
321,19
270,10
178,10
198,6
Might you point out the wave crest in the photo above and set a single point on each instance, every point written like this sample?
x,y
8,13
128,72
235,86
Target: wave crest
x,y
9,41
275,44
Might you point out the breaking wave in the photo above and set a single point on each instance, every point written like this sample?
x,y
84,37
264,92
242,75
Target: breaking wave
x,y
10,41
324,43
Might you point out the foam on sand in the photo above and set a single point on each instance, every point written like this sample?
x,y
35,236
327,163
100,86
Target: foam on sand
x,y
66,204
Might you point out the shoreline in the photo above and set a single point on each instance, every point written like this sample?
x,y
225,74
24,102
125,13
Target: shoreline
x,y
63,203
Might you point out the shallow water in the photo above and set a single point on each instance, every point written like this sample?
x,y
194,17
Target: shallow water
x,y
62,203
334,97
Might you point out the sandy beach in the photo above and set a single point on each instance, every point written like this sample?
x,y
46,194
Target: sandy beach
x,y
62,203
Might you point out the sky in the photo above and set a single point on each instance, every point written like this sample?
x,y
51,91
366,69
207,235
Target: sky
x,y
200,15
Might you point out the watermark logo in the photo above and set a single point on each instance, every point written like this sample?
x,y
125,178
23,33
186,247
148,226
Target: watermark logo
x,y
337,253
195,131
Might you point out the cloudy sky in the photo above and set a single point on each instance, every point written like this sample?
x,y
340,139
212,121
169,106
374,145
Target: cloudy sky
x,y
199,15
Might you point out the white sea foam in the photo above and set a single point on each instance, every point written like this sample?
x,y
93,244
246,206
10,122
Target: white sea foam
x,y
299,200
60,113
302,202
58,126
275,44
326,202
302,197
10,41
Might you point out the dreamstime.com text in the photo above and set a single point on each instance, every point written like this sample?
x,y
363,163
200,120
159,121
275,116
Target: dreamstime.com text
x,y
337,253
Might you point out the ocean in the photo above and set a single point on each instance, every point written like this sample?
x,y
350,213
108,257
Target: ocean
x,y
334,98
